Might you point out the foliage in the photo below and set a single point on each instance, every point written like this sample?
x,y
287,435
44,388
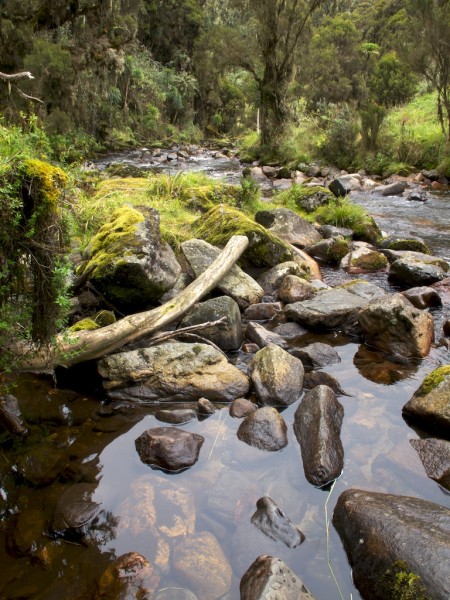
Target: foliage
x,y
398,583
344,213
340,146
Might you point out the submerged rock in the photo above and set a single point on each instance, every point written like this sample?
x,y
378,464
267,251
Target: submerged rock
x,y
129,576
316,355
380,529
317,426
264,429
169,448
75,509
271,520
271,579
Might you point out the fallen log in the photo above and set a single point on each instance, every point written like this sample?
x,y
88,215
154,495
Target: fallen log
x,y
73,348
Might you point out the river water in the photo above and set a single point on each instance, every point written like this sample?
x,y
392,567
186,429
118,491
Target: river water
x,y
76,437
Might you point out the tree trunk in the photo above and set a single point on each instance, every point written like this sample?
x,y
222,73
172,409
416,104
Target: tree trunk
x,y
70,349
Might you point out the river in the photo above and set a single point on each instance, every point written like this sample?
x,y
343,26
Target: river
x,y
77,437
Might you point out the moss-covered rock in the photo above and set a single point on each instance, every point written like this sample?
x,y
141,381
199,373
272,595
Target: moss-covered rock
x,y
87,324
433,379
331,250
219,224
404,243
364,260
104,318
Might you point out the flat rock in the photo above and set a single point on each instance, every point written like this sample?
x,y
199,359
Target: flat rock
x,y
271,520
277,376
290,331
435,457
261,336
236,284
409,271
396,242
391,189
264,429
172,371
316,355
287,225
378,530
169,448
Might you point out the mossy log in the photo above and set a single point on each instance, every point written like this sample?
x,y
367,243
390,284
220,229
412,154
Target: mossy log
x,y
77,347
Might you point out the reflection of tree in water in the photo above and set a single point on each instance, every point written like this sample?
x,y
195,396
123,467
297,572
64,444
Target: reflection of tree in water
x,y
377,367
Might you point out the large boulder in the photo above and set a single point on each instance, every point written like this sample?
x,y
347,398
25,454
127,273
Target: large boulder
x,y
317,426
380,530
430,404
228,336
219,224
277,376
169,448
127,262
333,308
236,284
288,226
392,324
172,371
265,429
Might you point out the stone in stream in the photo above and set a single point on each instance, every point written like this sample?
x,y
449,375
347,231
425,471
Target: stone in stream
x,y
10,415
23,531
271,520
272,279
423,297
177,416
265,429
199,562
396,242
435,457
263,337
411,271
363,260
391,189
295,289
430,404
392,324
42,464
270,578
227,336
342,186
172,371
290,331
129,576
287,225
316,355
169,448
277,376
379,530
236,284
315,378
330,231
331,250
241,408
205,407
75,509
317,426
262,311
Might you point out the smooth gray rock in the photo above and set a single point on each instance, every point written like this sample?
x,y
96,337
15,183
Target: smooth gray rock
x,y
317,426
169,448
263,337
408,271
290,330
271,579
288,226
271,280
380,529
264,429
330,231
176,416
277,376
391,189
316,355
435,457
271,520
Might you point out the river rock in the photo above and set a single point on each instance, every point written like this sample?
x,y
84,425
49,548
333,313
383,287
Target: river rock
x,y
128,263
295,289
316,355
317,426
236,284
332,308
175,592
228,336
331,250
430,404
330,231
392,324
169,448
129,576
241,408
262,311
264,429
412,271
363,260
263,337
423,297
342,186
391,189
75,509
172,371
271,520
435,457
396,242
290,331
271,579
277,376
176,416
315,378
380,529
199,561
205,407
273,278
287,225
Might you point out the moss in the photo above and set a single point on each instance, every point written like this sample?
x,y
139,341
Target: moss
x,y
104,318
218,225
409,244
338,248
432,380
398,583
85,325
49,180
370,262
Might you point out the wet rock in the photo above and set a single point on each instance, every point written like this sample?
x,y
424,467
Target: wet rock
x,y
236,284
287,225
416,272
175,592
263,337
271,520
273,278
42,464
332,308
75,509
241,408
394,326
257,173
423,297
23,531
331,250
290,331
396,242
317,426
270,578
262,311
379,368
177,416
417,196
277,376
342,186
430,404
205,407
363,260
435,457
169,448
380,529
129,576
250,348
391,189
330,231
316,355
176,371
199,561
10,415
295,289
264,429
227,336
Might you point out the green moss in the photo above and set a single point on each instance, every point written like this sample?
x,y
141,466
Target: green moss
x,y
370,262
104,318
398,583
218,225
48,179
85,325
338,248
409,244
343,213
432,380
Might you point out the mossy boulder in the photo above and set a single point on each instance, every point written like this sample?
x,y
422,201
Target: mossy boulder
x,y
330,250
127,261
430,405
310,198
364,260
393,242
219,224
